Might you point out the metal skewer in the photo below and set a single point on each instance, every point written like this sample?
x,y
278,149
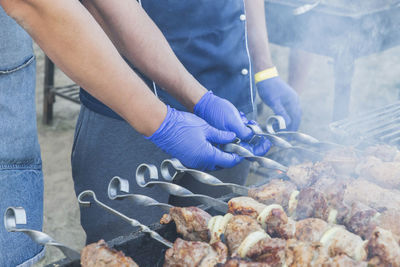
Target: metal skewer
x,y
174,189
283,144
175,165
243,152
17,215
275,140
131,221
300,137
118,184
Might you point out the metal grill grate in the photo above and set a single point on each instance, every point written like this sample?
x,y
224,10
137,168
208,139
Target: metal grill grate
x,y
380,125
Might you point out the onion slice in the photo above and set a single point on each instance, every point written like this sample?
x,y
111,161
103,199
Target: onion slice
x,y
250,241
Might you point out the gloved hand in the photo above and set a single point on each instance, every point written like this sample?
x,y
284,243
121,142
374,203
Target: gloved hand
x,y
282,99
222,114
262,145
189,139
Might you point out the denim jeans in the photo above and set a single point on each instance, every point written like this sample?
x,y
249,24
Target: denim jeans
x,y
21,178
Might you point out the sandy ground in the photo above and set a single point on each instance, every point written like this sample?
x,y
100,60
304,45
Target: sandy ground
x,y
376,82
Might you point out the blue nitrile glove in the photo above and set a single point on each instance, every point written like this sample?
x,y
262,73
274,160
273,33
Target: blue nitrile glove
x,y
189,139
221,114
282,99
261,147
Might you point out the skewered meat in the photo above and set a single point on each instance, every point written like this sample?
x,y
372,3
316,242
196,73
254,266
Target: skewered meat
x,y
304,175
275,192
272,217
333,192
342,160
385,174
333,189
191,222
304,254
99,255
268,250
372,195
344,260
338,240
217,226
276,223
361,220
384,152
383,248
301,174
310,230
390,220
245,206
237,262
195,254
311,203
238,228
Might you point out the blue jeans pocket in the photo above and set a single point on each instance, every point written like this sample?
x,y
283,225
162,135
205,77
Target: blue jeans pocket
x,y
21,188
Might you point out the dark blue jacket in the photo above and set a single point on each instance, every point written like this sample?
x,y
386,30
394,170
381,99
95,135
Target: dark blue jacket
x,y
209,37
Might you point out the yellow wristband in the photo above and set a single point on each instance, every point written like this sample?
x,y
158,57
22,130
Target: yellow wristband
x,y
266,74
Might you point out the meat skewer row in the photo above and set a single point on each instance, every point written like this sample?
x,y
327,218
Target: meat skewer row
x,y
330,205
333,237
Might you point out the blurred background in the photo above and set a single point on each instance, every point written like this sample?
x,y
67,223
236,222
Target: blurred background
x,y
375,83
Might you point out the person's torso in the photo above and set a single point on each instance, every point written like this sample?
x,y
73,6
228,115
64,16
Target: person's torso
x,y
209,38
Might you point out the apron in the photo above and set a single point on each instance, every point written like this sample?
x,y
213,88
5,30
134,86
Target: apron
x,y
21,179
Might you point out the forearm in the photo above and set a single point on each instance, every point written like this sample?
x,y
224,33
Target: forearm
x,y
257,35
75,42
141,42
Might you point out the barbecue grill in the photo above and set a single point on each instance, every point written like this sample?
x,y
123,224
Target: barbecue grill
x,y
342,30
381,125
140,246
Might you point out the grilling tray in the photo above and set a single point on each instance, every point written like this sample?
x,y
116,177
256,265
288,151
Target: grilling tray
x,y
380,125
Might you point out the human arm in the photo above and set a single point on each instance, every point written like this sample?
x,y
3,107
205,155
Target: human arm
x,y
142,43
274,92
75,42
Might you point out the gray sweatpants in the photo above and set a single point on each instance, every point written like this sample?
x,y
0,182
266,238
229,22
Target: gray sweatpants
x,y
105,147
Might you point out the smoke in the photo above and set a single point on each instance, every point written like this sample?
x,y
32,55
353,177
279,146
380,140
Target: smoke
x,y
350,42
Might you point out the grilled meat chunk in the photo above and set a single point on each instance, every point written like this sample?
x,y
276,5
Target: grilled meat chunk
x,y
342,160
338,241
277,224
238,228
390,220
383,152
275,192
361,220
333,189
372,195
245,206
304,254
385,174
237,262
191,222
268,250
100,255
273,218
310,229
301,174
195,254
383,248
306,174
311,203
344,260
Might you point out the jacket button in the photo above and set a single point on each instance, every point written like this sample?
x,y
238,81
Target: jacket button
x,y
245,72
242,17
